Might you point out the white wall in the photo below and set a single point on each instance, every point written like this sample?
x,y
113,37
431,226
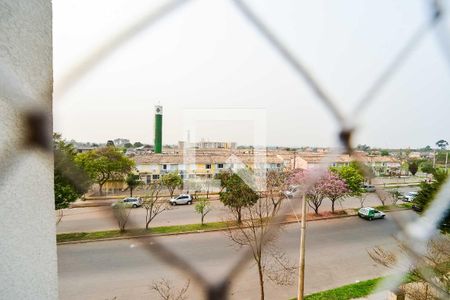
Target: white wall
x,y
28,265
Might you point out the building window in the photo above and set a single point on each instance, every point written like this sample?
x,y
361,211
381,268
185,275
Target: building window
x,y
278,165
220,166
208,166
155,177
164,167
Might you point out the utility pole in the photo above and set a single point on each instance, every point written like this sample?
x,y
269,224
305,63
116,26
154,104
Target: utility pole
x,y
434,158
446,160
293,167
301,260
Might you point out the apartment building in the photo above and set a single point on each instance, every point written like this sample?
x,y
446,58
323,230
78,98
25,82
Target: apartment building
x,y
207,163
203,165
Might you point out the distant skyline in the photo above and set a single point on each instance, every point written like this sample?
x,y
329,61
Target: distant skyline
x,y
207,56
433,146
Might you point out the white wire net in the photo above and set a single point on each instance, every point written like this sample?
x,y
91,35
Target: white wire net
x,y
414,235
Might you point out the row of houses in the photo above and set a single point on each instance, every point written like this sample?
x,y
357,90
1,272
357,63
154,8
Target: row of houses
x,y
205,164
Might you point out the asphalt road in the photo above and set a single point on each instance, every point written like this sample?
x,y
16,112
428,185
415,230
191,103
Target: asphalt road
x,y
336,255
100,218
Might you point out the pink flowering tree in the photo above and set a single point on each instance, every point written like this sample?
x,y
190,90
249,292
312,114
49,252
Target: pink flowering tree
x,y
314,195
333,187
326,185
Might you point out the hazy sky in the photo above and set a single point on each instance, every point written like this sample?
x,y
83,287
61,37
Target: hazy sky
x,y
206,56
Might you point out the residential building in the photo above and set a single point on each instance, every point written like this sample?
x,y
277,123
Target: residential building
x,y
203,164
208,145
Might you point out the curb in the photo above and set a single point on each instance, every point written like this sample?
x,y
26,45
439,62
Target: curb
x,y
107,202
187,232
203,231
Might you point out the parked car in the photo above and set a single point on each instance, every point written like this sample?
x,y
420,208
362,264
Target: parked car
x,y
290,192
370,213
368,188
129,202
182,199
417,207
409,196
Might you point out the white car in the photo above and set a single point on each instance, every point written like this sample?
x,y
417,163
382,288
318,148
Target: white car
x,y
368,188
182,199
129,202
291,191
370,213
409,197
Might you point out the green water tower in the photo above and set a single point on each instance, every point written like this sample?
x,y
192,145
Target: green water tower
x,y
158,128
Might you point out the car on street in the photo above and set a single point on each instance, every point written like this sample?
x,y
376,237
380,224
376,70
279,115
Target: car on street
x,y
409,196
368,188
182,199
129,202
290,192
370,213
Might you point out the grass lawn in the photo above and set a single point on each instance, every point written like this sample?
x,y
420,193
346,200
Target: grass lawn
x,y
406,205
355,290
83,236
394,207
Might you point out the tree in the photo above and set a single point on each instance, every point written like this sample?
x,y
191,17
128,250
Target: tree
x,y
223,177
166,291
121,213
362,198
206,185
203,207
428,277
315,198
352,176
427,167
152,204
171,181
236,195
442,144
363,147
384,197
314,195
70,182
276,183
333,187
132,182
110,144
138,144
395,195
128,145
441,157
413,167
254,233
428,190
104,164
384,153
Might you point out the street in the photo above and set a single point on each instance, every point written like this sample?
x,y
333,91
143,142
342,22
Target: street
x,y
336,255
100,218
